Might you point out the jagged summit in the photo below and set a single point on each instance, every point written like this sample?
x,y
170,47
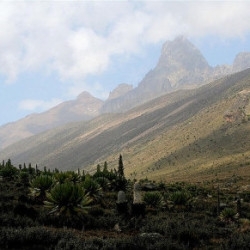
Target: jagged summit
x,y
180,64
241,61
182,53
120,90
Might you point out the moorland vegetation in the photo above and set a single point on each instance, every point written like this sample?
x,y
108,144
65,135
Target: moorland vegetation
x,y
51,209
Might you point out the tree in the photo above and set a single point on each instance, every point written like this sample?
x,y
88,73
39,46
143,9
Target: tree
x,y
120,182
8,171
105,168
120,168
98,168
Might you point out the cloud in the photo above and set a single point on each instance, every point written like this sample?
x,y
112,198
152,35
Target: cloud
x,y
80,38
227,19
38,105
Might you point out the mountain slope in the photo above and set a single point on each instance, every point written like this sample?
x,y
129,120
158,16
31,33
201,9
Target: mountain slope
x,y
83,108
184,134
181,65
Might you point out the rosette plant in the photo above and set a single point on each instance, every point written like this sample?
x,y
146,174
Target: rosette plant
x,y
68,200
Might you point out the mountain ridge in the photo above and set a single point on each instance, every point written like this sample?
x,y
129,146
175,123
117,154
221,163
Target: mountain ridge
x,y
180,135
181,65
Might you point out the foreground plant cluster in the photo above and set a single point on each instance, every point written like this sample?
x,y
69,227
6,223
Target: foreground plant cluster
x,y
43,209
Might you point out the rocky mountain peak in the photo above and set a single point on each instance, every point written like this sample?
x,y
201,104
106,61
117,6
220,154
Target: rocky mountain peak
x,y
180,63
120,90
182,53
86,103
85,96
241,61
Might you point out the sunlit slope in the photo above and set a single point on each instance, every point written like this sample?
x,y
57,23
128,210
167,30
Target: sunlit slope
x,y
189,134
203,147
197,141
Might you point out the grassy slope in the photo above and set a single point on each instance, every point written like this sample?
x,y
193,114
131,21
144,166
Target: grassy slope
x,y
204,146
180,136
192,151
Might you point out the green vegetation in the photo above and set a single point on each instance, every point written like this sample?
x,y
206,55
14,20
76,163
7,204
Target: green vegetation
x,y
153,200
68,201
43,209
40,184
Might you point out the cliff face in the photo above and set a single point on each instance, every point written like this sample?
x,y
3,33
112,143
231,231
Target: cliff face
x,y
180,65
120,90
241,62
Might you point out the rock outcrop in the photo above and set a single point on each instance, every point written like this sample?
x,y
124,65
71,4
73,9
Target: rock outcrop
x,y
120,90
241,61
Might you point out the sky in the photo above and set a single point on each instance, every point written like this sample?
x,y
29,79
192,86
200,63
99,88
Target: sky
x,y
51,51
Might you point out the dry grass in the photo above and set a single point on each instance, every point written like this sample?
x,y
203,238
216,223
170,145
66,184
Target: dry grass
x,y
179,136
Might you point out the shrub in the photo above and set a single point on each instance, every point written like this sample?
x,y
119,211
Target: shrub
x,y
92,189
8,172
40,185
227,214
237,241
153,200
180,197
67,200
103,182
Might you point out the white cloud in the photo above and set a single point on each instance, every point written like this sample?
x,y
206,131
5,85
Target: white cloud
x,y
79,38
38,105
229,19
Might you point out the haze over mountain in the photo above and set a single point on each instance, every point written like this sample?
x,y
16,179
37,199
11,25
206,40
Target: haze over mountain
x,y
181,65
185,134
83,108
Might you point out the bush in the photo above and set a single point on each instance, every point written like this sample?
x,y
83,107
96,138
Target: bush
x,y
227,214
8,172
180,197
237,241
153,200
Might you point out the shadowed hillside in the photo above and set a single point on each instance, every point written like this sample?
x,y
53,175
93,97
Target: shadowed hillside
x,y
182,135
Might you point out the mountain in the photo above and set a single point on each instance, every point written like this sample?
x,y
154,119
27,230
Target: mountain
x,y
83,108
120,90
180,66
241,61
190,134
181,63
